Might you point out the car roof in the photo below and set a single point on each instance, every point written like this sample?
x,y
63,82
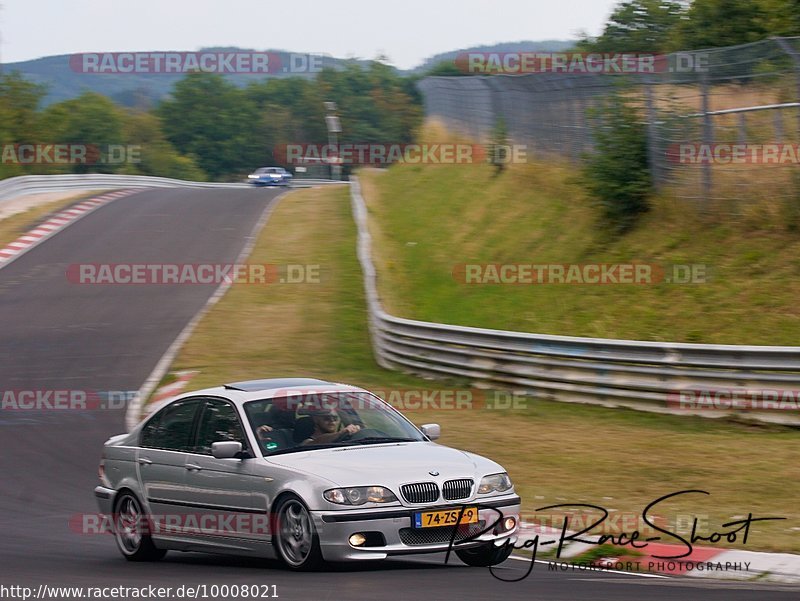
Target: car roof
x,y
271,383
254,390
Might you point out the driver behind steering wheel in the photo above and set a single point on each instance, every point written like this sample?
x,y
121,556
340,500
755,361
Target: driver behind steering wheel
x,y
328,428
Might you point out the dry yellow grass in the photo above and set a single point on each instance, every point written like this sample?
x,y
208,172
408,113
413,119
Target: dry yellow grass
x,y
721,97
14,226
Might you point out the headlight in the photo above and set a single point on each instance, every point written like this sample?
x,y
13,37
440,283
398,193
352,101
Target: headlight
x,y
494,483
360,495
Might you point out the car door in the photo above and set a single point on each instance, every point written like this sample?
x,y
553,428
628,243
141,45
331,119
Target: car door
x,y
222,489
164,444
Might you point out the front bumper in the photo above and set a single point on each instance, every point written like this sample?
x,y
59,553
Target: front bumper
x,y
336,527
270,182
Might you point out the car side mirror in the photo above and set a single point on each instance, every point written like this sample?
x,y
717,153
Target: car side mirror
x,y
432,431
228,449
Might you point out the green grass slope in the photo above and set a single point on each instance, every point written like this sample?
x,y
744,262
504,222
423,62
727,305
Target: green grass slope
x,y
428,219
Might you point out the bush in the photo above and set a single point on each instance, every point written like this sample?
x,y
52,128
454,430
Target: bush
x,y
498,148
617,173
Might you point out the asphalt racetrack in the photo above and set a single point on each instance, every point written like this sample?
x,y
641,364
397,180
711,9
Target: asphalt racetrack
x,y
59,335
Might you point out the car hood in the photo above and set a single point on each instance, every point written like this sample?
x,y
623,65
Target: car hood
x,y
388,464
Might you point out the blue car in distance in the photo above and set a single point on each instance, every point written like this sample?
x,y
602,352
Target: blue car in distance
x,y
270,176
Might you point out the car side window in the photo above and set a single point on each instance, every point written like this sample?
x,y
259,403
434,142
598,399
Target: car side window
x,y
171,429
219,423
150,432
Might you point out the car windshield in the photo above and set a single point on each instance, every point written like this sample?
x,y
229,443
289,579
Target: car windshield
x,y
311,421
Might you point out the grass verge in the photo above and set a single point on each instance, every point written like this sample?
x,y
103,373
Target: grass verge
x,y
429,219
555,452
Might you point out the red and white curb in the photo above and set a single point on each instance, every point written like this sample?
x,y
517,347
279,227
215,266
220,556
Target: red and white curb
x,y
168,391
57,223
703,562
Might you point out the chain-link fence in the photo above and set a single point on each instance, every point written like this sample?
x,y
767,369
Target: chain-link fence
x,y
722,125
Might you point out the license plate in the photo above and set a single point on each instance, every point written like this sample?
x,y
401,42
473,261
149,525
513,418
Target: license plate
x,y
446,517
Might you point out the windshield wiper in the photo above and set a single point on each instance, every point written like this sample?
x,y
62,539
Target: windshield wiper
x,y
379,439
299,448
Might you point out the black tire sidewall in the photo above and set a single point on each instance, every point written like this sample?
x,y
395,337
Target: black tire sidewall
x,y
314,559
147,551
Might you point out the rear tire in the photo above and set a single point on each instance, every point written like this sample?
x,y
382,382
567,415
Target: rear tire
x,y
131,530
296,540
485,556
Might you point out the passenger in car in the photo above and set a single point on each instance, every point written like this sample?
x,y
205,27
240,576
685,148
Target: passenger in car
x,y
327,428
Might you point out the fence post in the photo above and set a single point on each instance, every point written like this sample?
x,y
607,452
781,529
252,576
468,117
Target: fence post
x,y
708,135
777,122
742,129
652,136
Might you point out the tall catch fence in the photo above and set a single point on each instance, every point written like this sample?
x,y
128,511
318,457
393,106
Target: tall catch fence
x,y
723,125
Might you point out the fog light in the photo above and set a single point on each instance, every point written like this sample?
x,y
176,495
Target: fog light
x,y
357,539
509,524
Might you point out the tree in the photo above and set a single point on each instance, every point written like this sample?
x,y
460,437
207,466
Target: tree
x,y
143,132
375,104
447,69
718,23
19,117
782,17
92,120
637,26
212,121
19,104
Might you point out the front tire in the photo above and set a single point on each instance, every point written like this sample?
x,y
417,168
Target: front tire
x,y
131,530
296,539
485,556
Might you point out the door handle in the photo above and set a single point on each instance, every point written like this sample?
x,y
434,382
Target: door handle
x,y
145,461
193,468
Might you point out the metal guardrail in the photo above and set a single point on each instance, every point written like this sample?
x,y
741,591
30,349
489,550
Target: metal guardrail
x,y
36,184
617,373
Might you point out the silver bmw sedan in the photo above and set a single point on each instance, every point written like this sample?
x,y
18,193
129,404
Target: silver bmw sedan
x,y
303,470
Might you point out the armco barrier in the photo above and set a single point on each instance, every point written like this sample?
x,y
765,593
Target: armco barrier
x,y
616,373
36,184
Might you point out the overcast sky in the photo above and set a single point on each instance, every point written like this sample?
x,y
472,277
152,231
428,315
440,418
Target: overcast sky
x,y
408,31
